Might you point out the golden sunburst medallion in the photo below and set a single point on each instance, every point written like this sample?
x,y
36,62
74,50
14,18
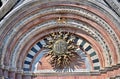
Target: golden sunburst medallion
x,y
61,48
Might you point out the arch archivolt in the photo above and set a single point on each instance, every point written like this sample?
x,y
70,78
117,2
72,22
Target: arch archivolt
x,y
25,31
48,25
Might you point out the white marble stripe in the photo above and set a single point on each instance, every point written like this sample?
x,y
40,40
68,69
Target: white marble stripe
x,y
79,41
86,45
96,64
26,65
94,57
43,42
49,38
32,53
36,47
90,51
28,59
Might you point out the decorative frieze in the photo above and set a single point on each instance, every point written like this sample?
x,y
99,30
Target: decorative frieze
x,y
114,6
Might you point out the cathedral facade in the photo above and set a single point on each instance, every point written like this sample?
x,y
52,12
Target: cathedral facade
x,y
59,39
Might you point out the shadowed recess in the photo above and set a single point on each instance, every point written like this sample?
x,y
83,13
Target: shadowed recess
x,y
0,3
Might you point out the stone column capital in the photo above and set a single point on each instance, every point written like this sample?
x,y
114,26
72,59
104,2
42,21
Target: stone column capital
x,y
13,69
20,71
6,67
1,66
27,73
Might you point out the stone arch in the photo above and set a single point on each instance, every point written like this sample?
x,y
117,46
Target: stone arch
x,y
22,27
80,42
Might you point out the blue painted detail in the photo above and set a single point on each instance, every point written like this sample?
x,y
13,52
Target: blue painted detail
x,y
34,50
83,43
26,69
27,62
29,56
45,39
95,61
76,39
39,44
93,54
88,48
97,67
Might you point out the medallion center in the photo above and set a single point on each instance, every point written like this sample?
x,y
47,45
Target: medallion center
x,y
60,46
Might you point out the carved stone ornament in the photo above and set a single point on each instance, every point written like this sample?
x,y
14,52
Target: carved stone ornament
x,y
60,46
62,51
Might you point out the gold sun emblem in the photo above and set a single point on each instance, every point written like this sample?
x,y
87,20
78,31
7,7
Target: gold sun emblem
x,y
61,48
